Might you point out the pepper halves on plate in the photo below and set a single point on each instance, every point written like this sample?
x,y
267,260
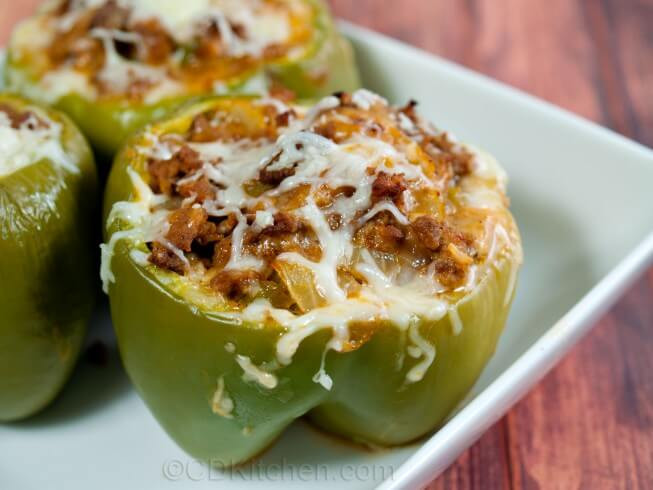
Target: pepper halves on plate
x,y
48,191
348,262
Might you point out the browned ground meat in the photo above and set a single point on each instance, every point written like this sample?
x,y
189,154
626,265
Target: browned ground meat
x,y
388,186
282,120
221,252
63,46
409,110
424,241
185,226
202,130
286,234
436,235
188,159
429,237
209,43
156,46
428,231
381,233
227,225
450,273
345,98
166,259
201,188
110,16
457,162
165,173
283,223
208,234
276,176
234,284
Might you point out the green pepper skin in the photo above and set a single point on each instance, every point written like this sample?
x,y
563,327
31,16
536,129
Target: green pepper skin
x,y
374,405
328,66
107,124
175,353
47,272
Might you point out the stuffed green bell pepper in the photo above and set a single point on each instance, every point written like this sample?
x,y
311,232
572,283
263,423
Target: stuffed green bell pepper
x,y
114,65
265,261
47,232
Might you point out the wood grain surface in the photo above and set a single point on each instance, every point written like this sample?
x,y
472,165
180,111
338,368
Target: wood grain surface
x,y
589,424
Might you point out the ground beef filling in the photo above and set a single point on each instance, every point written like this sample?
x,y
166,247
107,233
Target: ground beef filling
x,y
198,62
427,243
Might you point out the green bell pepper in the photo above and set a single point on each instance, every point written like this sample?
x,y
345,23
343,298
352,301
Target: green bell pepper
x,y
47,264
189,361
326,66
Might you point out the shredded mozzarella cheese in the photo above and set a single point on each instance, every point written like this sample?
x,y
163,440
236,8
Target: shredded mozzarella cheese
x,y
31,143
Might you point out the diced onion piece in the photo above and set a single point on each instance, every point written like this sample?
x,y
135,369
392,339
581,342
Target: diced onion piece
x,y
300,282
388,263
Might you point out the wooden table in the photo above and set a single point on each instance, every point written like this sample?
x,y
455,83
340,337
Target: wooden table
x,y
589,424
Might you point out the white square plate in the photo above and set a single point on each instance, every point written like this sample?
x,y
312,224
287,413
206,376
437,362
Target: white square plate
x,y
583,197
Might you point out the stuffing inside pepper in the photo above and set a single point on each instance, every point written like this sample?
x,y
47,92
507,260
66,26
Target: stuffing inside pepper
x,y
28,136
144,50
260,199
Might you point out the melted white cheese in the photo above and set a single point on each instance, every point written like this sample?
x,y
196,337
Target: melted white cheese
x,y
423,349
364,99
321,377
56,84
221,402
262,24
138,214
174,15
455,319
30,144
252,372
